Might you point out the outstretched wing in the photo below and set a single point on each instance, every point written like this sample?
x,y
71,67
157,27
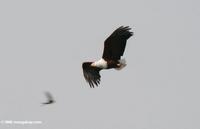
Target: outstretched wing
x,y
115,44
91,74
49,96
50,99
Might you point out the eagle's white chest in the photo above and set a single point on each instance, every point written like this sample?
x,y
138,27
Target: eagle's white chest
x,y
100,64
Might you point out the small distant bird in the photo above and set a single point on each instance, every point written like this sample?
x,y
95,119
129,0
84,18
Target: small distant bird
x,y
50,99
114,47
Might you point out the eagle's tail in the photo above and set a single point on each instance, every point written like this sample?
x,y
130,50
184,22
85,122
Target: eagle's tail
x,y
122,64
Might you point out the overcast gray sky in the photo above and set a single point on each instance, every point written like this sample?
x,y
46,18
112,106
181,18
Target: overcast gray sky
x,y
43,44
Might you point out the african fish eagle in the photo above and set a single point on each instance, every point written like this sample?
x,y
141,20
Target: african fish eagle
x,y
114,47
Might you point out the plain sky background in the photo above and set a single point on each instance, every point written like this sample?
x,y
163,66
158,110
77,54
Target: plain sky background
x,y
43,44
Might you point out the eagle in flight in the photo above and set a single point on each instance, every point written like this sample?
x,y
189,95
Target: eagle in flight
x,y
114,47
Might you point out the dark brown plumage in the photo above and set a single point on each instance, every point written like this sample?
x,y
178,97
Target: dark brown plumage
x,y
115,44
114,47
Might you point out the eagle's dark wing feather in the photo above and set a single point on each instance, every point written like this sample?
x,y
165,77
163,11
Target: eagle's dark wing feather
x,y
91,74
115,44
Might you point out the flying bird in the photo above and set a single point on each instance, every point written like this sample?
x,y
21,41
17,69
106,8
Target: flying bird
x,y
114,47
50,99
